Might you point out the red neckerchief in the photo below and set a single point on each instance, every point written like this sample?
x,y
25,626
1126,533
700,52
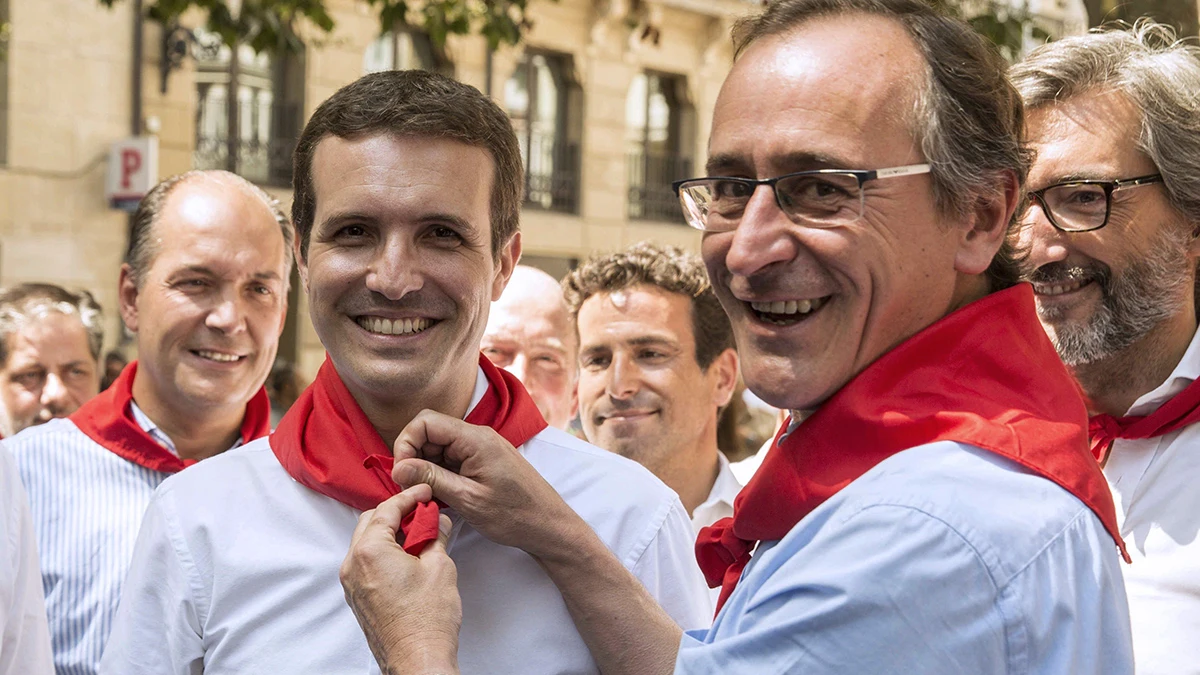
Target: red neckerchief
x,y
108,420
326,443
986,375
1182,410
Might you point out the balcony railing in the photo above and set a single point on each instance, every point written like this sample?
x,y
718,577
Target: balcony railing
x,y
266,160
650,178
552,175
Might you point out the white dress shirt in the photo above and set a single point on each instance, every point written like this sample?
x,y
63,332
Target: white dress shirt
x,y
24,637
236,571
1156,488
720,499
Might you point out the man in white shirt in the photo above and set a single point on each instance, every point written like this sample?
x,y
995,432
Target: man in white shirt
x,y
49,354
24,638
1112,229
656,366
408,191
529,335
932,506
204,289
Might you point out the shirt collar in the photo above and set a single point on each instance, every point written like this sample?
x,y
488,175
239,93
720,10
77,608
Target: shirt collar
x,y
1187,370
143,420
725,488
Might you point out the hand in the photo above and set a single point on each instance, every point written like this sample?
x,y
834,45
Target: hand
x,y
409,608
486,480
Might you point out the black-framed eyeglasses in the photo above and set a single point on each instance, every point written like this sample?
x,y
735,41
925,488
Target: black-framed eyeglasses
x,y
820,198
1082,205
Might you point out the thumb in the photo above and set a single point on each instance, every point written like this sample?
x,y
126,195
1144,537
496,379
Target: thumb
x,y
445,526
447,485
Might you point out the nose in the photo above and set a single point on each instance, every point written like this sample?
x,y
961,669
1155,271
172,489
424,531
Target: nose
x,y
624,378
394,273
1044,242
762,237
55,396
519,367
228,315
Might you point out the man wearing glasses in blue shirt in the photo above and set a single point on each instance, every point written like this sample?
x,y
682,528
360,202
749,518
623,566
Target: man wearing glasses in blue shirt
x,y
1112,234
932,506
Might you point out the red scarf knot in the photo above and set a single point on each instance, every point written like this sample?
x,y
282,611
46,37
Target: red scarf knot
x,y
108,420
985,375
1181,410
327,443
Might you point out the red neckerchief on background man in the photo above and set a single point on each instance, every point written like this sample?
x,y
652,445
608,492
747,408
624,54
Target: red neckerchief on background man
x,y
327,444
985,375
1180,411
108,420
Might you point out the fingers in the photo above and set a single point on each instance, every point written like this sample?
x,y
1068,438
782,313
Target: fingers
x,y
443,439
445,526
384,520
444,483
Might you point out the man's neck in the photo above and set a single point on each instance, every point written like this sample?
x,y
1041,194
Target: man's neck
x,y
390,415
692,474
197,434
1114,383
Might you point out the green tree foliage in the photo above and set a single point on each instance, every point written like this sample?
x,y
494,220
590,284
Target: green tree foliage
x,y
1182,14
268,25
1007,26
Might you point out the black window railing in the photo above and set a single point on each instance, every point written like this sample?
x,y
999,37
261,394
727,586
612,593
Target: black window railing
x,y
260,158
552,175
650,178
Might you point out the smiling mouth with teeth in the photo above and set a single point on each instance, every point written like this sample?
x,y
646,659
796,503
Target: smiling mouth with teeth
x,y
786,312
1060,288
217,356
380,326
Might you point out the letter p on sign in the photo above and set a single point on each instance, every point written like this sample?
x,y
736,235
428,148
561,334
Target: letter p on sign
x,y
132,171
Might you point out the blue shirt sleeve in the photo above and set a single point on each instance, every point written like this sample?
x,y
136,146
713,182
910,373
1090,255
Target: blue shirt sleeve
x,y
889,589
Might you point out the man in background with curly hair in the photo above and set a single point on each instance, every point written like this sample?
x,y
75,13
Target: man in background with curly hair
x,y
656,366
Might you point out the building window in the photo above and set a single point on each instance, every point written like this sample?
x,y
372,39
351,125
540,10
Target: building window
x,y
660,128
267,117
405,49
545,103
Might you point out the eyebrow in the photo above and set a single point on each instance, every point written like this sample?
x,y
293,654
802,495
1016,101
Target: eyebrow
x,y
727,163
428,218
268,275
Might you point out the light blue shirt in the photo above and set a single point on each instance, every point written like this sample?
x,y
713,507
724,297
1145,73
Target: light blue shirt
x,y
87,505
942,559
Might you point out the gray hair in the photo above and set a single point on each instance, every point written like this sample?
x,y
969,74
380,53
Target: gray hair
x,y
141,252
22,304
967,117
1159,74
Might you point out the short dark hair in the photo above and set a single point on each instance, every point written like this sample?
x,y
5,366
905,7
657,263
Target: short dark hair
x,y
25,302
421,104
968,118
667,267
140,254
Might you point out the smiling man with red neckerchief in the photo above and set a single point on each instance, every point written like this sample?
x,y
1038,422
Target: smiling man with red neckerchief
x,y
1112,260
933,507
408,188
204,288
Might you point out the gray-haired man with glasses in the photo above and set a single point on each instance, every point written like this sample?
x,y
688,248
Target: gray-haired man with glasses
x,y
932,506
1111,229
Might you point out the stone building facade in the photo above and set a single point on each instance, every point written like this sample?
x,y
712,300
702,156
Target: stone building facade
x,y
612,100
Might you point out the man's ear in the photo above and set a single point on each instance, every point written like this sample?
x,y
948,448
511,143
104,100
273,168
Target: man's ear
x,y
510,254
1193,247
986,226
127,294
724,369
